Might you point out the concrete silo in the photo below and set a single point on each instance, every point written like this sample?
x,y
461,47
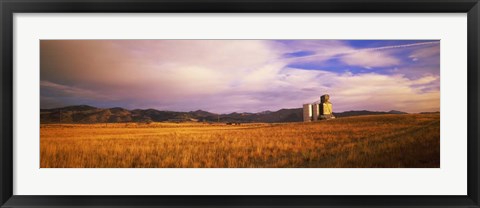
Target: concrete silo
x,y
315,111
326,110
307,112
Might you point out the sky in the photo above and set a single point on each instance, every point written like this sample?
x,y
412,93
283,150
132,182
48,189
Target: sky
x,y
225,76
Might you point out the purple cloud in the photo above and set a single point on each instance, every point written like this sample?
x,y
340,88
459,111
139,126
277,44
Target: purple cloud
x,y
224,76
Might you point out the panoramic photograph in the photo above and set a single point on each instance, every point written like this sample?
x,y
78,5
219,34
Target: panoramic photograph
x,y
239,103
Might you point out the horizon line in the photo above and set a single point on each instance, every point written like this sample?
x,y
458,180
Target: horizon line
x,y
224,113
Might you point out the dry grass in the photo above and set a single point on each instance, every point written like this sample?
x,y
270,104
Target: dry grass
x,y
365,141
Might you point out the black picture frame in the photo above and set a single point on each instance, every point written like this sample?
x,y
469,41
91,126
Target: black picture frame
x,y
9,7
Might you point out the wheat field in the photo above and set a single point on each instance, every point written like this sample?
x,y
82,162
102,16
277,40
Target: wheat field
x,y
380,141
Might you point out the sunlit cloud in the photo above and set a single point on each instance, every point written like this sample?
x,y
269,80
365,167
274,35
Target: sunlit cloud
x,y
224,76
369,59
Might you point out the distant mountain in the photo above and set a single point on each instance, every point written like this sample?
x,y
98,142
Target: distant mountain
x,y
365,112
430,112
201,113
90,114
71,108
396,112
265,112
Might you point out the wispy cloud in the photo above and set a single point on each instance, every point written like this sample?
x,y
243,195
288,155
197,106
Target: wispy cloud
x,y
349,51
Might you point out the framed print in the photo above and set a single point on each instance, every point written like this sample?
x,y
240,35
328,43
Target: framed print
x,y
245,104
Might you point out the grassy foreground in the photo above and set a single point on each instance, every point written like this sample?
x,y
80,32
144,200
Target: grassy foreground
x,y
356,142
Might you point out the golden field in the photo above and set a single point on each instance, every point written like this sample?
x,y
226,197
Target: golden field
x,y
376,141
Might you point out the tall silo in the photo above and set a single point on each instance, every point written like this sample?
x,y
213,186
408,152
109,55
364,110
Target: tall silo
x,y
315,111
326,110
307,112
